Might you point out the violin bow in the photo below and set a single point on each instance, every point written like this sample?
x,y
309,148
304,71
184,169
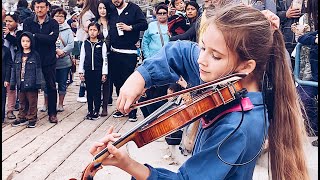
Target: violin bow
x,y
230,77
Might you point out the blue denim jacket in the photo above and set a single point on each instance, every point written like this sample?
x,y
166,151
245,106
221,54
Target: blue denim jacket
x,y
180,58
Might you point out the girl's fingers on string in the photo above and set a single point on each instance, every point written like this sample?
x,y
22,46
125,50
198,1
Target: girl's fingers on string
x,y
111,137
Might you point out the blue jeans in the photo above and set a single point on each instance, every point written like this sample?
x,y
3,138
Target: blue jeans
x,y
61,78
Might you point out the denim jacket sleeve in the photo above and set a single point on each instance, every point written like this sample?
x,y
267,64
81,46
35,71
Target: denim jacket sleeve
x,y
174,59
308,38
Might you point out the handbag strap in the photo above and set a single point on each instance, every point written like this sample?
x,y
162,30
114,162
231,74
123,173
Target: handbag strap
x,y
160,33
64,44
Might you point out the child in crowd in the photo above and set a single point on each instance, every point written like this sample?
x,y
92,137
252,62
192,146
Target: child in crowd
x,y
93,68
236,39
26,74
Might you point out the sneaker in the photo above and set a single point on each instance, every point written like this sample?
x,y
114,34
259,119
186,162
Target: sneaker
x,y
118,114
132,117
88,116
110,102
32,124
82,99
60,108
95,116
19,122
43,108
10,115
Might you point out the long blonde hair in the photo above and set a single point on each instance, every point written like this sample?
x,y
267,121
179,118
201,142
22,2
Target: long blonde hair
x,y
248,33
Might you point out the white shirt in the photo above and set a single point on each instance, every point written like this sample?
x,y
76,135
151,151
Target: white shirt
x,y
121,10
83,25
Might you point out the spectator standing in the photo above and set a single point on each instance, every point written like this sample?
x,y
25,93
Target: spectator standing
x,y
93,69
26,74
64,46
104,10
192,11
45,31
154,38
156,35
73,21
128,20
11,33
6,72
87,14
288,15
23,9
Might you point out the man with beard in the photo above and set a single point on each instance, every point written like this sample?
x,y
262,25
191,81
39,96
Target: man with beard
x,y
127,19
45,31
80,3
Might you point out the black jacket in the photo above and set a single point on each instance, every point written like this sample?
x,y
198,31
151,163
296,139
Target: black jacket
x,y
6,64
93,56
24,13
33,71
45,38
131,15
96,60
13,40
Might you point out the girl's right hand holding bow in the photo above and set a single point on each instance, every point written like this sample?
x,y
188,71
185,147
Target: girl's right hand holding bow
x,y
130,92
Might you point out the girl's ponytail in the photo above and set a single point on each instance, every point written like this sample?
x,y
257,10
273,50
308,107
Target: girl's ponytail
x,y
287,130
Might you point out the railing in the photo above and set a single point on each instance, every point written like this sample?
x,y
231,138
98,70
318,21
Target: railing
x,y
297,69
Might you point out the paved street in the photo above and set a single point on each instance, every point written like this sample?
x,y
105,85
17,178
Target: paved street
x,y
60,151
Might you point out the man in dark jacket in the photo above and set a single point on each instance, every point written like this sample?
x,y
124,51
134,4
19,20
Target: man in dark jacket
x,y
6,70
22,8
45,31
128,20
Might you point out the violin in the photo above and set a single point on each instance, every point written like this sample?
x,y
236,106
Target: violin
x,y
174,115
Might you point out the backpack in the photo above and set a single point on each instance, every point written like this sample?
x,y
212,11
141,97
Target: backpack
x,y
178,24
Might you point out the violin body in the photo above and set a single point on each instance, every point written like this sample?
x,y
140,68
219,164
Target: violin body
x,y
183,115
171,120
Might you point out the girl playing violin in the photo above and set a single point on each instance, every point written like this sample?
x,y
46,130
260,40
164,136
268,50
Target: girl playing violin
x,y
236,39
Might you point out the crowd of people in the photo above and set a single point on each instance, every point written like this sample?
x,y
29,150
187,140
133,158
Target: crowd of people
x,y
183,44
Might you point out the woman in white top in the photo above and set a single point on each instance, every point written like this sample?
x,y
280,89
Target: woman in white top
x,y
88,13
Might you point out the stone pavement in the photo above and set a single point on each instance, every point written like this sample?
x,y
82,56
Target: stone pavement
x,y
60,151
